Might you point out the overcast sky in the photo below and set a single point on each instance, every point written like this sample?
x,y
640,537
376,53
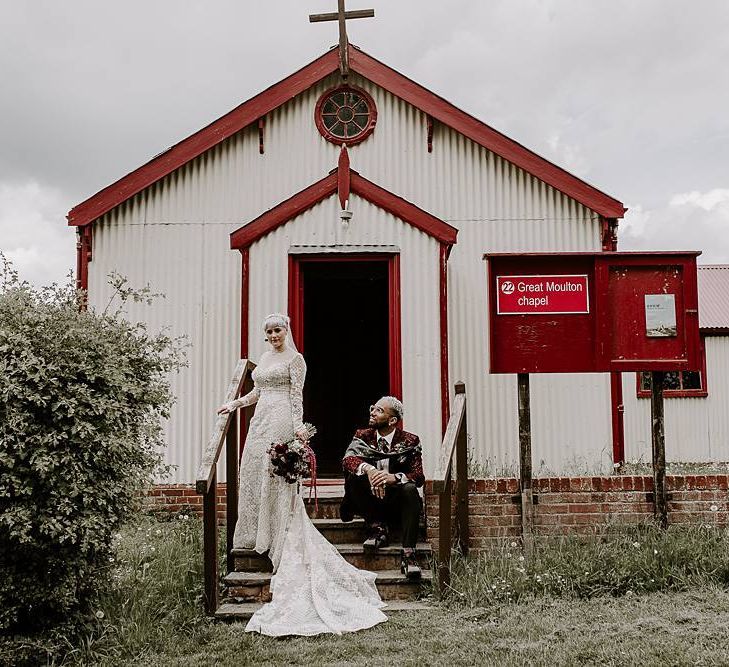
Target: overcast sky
x,y
630,95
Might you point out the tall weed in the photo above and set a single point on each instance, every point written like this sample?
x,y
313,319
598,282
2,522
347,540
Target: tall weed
x,y
622,562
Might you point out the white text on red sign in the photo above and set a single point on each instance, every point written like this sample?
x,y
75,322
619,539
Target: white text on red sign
x,y
537,295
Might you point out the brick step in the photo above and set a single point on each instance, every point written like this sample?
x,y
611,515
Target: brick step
x,y
387,558
328,506
242,611
338,532
391,584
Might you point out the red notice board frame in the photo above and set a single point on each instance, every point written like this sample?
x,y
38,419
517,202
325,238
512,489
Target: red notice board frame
x,y
612,336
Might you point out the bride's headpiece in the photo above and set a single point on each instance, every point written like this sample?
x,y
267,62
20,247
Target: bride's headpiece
x,y
283,321
277,320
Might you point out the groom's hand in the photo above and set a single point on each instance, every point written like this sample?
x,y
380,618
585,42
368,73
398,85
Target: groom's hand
x,y
379,480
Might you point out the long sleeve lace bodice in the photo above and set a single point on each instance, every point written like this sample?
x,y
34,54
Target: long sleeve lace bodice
x,y
297,375
265,501
250,398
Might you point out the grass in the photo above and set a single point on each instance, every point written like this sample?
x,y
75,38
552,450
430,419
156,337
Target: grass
x,y
676,629
631,597
622,562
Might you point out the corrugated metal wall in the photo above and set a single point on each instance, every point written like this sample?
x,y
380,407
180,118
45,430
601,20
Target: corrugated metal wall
x,y
175,236
697,429
419,256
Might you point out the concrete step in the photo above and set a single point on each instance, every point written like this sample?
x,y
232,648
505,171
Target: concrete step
x,y
230,611
387,558
391,584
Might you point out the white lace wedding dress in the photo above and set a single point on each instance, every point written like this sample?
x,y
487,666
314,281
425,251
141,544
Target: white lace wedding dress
x,y
314,589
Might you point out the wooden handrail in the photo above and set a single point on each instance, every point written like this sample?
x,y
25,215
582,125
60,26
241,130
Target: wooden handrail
x,y
225,430
450,440
211,453
455,442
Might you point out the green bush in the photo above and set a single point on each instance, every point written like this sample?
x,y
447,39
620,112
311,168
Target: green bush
x,y
82,395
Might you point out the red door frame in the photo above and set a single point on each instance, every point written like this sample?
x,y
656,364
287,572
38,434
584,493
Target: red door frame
x,y
296,303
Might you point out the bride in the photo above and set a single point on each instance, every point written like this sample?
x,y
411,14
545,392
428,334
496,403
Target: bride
x,y
314,589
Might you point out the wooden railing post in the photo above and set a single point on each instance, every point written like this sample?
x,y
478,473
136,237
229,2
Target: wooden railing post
x,y
658,441
210,545
462,478
455,443
445,536
231,487
225,433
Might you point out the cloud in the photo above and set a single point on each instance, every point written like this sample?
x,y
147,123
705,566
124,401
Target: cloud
x,y
33,233
688,221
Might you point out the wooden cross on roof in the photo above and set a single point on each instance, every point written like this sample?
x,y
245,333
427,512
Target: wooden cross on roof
x,y
341,15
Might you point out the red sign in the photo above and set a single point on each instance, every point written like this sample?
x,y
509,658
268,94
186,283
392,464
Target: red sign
x,y
539,295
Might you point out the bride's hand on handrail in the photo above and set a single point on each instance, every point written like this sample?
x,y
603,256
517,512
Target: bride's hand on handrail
x,y
224,409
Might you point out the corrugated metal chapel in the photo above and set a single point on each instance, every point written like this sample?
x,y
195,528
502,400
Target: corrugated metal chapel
x,y
244,218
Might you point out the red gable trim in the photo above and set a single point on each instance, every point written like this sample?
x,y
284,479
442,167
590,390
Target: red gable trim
x,y
482,134
306,199
404,210
249,112
203,140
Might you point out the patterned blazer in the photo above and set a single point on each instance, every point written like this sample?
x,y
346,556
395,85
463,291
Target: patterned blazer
x,y
409,462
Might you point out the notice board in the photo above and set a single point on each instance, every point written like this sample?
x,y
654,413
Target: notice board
x,y
592,312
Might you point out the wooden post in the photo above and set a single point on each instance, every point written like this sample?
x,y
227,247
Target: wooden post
x,y
525,463
462,479
658,441
231,487
210,546
444,536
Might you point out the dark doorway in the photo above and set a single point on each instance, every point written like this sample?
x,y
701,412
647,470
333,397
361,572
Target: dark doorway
x,y
346,346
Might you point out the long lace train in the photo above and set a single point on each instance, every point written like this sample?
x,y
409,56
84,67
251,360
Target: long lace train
x,y
315,590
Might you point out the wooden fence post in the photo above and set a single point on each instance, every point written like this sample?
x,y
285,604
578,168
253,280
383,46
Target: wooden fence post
x,y
525,463
658,442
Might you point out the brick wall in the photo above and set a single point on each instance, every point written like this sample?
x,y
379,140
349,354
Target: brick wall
x,y
583,504
179,497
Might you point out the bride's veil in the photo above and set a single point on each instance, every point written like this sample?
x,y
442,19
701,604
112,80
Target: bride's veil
x,y
281,320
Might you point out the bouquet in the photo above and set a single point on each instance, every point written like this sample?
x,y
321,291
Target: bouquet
x,y
293,459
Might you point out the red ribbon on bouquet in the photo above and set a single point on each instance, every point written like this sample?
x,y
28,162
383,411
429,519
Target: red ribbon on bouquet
x,y
312,473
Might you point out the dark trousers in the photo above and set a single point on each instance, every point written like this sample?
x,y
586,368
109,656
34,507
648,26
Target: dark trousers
x,y
401,504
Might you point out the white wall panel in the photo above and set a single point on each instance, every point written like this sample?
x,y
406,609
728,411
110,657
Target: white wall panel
x,y
175,236
697,429
202,302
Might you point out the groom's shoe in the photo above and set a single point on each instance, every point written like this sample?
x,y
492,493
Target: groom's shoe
x,y
409,565
345,512
376,540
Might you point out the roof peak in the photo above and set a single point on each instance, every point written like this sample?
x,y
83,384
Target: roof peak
x,y
381,75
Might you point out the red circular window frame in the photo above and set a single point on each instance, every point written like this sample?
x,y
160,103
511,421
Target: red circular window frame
x,y
357,138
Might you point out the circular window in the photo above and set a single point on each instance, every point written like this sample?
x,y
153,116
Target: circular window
x,y
345,115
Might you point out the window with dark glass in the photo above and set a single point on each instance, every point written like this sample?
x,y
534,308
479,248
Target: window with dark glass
x,y
677,383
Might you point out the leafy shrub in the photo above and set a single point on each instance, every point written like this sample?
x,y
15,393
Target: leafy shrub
x,y
82,395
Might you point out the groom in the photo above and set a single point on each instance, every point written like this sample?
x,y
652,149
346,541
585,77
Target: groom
x,y
384,468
